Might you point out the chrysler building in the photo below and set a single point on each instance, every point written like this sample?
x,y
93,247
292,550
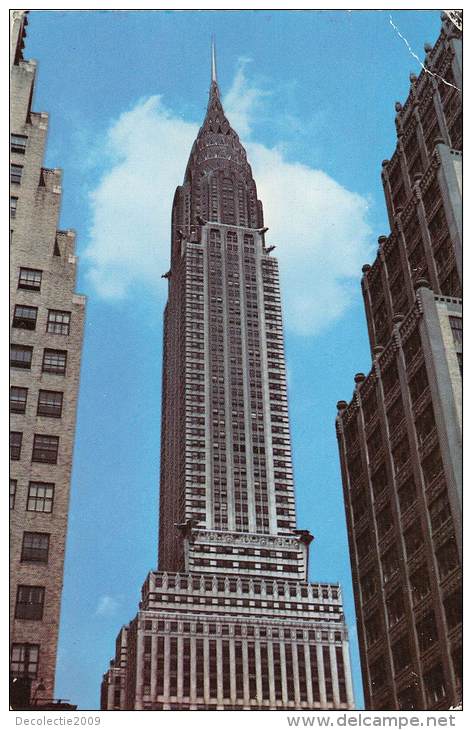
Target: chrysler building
x,y
228,621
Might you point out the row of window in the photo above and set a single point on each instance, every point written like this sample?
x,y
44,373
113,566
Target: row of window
x,y
49,402
40,496
54,361
45,448
25,317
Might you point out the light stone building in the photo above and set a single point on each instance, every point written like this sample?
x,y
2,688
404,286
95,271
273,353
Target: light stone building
x,y
229,621
46,342
400,437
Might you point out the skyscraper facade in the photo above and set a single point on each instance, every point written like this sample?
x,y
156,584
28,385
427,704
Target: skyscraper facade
x,y
400,436
229,620
46,343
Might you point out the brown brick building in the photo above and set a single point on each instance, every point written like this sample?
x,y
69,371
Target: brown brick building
x,y
46,341
400,437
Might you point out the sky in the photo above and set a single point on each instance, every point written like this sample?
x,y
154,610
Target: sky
x,y
311,94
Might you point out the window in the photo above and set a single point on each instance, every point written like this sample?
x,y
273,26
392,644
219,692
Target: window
x,y
419,582
21,356
413,539
16,172
30,602
434,685
12,493
427,632
378,674
13,205
408,699
456,327
18,143
50,403
35,547
54,361
447,558
401,654
45,448
25,317
24,660
30,279
15,445
439,511
58,322
395,608
18,398
407,494
453,609
40,497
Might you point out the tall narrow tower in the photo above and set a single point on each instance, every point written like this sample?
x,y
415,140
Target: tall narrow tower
x,y
46,344
229,621
400,437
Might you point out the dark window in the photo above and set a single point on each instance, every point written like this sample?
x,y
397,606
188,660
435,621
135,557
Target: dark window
x,y
413,539
408,699
18,398
401,654
439,511
434,685
419,582
368,585
35,547
390,564
15,445
54,361
456,327
407,494
432,466
401,455
13,206
50,403
427,632
379,480
378,674
395,608
373,628
25,317
418,383
384,521
58,322
425,424
16,172
24,660
18,143
21,356
12,493
40,497
45,448
30,279
447,558
30,602
453,609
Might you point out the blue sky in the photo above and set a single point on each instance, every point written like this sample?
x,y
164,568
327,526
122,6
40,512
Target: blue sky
x,y
312,95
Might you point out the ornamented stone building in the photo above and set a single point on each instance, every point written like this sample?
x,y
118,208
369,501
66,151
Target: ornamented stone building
x,y
46,343
400,436
229,620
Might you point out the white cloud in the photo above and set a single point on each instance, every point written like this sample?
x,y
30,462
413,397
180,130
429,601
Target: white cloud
x,y
320,227
107,606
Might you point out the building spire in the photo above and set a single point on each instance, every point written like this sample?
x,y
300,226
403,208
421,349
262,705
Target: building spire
x,y
214,79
